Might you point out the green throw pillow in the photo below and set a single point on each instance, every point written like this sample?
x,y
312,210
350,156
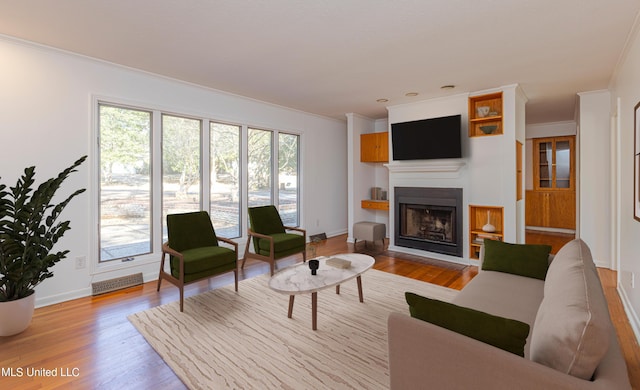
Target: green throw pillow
x,y
504,333
519,259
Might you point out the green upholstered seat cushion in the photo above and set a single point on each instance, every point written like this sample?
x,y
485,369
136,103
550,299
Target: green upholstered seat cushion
x,y
519,259
284,244
190,230
265,220
504,333
204,261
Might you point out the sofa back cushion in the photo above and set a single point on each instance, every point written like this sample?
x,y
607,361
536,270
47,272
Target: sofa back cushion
x,y
572,328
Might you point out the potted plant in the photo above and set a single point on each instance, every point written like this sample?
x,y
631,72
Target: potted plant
x,y
28,233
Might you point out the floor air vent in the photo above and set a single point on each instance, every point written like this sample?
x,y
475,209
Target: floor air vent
x,y
116,284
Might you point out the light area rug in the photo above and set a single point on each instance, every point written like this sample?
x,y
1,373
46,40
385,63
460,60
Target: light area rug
x,y
244,340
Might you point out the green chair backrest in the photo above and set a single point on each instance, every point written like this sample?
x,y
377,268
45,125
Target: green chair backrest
x,y
265,220
190,230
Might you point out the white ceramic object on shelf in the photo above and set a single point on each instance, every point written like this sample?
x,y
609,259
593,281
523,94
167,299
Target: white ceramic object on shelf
x,y
482,111
488,227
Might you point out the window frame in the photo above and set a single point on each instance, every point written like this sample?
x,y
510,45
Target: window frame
x,y
98,176
156,173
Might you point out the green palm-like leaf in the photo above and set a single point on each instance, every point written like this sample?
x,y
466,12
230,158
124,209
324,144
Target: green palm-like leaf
x,y
29,229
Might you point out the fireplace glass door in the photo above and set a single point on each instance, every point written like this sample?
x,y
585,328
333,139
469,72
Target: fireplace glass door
x,y
430,223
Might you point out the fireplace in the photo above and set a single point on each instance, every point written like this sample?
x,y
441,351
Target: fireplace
x,y
429,219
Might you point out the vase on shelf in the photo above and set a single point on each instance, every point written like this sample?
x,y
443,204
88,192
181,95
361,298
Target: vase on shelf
x,y
488,227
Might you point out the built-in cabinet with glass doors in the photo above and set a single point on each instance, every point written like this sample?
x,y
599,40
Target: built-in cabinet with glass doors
x,y
552,202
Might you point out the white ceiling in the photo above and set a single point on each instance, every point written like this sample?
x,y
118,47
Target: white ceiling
x,y
332,57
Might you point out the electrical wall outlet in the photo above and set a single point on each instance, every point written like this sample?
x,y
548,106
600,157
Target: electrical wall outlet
x,y
81,262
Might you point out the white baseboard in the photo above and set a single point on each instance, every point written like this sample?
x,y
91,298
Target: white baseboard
x,y
81,293
336,233
59,298
631,313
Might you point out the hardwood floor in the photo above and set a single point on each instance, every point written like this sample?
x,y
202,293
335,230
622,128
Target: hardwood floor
x,y
91,342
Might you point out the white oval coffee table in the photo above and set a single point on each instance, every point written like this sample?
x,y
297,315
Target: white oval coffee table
x,y
297,279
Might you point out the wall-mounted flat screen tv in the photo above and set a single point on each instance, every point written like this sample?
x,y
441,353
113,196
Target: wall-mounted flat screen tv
x,y
427,139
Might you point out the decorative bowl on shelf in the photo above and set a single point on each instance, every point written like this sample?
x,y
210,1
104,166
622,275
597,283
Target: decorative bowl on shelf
x,y
488,129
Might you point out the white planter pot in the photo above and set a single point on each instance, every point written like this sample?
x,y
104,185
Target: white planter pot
x,y
15,316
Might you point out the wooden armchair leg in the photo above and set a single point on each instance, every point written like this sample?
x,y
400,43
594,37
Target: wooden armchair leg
x,y
181,299
246,250
161,271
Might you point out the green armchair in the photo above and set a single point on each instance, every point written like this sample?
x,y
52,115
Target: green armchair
x,y
270,238
194,252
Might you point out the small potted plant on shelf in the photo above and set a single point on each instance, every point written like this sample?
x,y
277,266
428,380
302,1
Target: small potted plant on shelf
x,y
28,233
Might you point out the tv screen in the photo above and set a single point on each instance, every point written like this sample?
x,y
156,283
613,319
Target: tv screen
x,y
427,139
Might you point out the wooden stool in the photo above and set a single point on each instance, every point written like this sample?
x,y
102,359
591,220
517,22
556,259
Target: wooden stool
x,y
369,231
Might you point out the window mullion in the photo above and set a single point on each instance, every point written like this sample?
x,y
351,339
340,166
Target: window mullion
x,y
244,179
275,168
205,164
156,181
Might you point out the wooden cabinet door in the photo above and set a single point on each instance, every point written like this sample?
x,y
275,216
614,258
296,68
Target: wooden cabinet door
x,y
383,147
555,209
562,209
536,208
374,147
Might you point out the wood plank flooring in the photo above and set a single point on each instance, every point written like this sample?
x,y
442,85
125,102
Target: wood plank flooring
x,y
91,340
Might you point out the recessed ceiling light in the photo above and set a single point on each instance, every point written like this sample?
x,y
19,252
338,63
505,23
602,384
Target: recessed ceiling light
x,y
382,100
411,94
450,86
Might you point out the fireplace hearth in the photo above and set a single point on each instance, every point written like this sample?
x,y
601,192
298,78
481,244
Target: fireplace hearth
x,y
429,218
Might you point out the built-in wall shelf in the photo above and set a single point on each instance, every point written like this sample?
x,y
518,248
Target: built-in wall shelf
x,y
376,204
485,115
485,223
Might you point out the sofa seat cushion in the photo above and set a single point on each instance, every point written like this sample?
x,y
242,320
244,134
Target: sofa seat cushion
x,y
504,295
527,260
572,329
504,333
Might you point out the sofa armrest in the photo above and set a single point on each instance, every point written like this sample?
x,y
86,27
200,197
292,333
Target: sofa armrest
x,y
423,355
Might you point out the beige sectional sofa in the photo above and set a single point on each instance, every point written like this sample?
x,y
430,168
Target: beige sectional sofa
x,y
571,336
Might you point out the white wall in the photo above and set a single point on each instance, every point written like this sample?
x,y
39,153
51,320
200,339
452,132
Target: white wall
x,y
625,88
363,176
593,173
398,177
46,120
488,176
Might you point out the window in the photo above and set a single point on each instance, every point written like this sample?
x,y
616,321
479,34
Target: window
x,y
180,166
125,182
153,163
260,181
288,178
224,206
